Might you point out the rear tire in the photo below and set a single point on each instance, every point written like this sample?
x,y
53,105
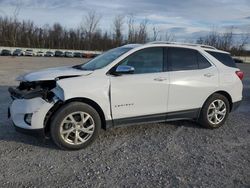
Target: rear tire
x,y
215,111
75,126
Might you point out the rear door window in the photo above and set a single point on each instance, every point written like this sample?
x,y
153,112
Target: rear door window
x,y
224,58
180,59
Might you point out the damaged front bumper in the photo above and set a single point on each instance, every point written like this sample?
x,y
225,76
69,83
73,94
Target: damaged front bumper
x,y
28,109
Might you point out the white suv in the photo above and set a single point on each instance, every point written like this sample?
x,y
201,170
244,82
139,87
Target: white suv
x,y
131,84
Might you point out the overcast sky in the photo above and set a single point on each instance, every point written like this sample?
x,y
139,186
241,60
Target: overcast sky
x,y
187,19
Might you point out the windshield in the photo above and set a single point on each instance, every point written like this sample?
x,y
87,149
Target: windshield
x,y
104,59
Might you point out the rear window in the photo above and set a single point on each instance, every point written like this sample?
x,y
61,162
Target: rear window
x,y
226,59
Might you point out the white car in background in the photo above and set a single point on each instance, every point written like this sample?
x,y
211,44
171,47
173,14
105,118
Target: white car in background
x,y
28,52
49,54
40,53
132,84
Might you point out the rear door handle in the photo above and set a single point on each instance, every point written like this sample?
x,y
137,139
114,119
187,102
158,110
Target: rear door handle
x,y
160,79
208,75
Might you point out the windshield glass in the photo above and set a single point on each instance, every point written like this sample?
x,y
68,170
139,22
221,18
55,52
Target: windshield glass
x,y
104,59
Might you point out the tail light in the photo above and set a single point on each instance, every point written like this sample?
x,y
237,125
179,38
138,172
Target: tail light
x,y
240,74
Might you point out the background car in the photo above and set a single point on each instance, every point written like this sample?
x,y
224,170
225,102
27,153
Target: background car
x,y
78,54
87,55
40,53
29,52
18,52
59,53
5,52
90,55
95,55
68,54
238,60
49,54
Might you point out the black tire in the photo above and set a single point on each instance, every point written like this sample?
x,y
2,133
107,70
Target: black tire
x,y
203,118
63,112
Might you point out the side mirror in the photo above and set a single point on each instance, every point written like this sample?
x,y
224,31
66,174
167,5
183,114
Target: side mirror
x,y
124,69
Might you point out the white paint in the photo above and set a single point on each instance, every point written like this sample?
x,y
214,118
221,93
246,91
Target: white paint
x,y
137,94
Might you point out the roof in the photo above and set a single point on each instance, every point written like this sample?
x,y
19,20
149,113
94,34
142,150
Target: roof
x,y
184,44
177,44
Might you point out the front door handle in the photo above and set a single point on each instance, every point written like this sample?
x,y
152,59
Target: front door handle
x,y
208,75
160,79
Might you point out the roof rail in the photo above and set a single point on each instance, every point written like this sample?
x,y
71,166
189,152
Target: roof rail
x,y
180,43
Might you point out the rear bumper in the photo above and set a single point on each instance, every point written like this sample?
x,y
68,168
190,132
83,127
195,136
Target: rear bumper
x,y
235,106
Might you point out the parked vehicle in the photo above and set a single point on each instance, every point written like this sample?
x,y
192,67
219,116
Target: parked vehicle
x,y
18,52
68,54
40,53
49,54
78,54
59,54
88,55
95,55
5,52
29,53
238,60
131,84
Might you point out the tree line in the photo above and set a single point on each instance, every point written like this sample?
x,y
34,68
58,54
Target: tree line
x,y
226,41
89,36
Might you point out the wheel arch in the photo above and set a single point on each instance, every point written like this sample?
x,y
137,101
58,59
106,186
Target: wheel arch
x,y
59,104
225,94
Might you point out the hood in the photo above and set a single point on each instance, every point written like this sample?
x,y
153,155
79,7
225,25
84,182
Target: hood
x,y
52,74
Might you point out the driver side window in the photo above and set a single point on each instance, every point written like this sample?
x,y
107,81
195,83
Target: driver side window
x,y
149,60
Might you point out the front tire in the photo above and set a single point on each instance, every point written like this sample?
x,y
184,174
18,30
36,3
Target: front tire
x,y
215,111
75,126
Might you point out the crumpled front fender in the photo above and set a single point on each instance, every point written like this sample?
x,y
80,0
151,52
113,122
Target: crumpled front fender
x,y
95,89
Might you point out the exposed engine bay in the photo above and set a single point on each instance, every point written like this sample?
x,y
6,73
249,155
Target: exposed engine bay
x,y
28,90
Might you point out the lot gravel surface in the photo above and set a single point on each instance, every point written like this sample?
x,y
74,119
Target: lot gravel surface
x,y
174,154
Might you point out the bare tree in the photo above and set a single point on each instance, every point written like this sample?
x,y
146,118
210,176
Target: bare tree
x,y
88,37
137,33
244,40
226,39
169,37
118,25
16,23
155,34
222,41
142,33
90,25
131,29
17,9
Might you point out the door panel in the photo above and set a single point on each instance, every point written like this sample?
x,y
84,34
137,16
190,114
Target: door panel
x,y
189,89
139,94
192,79
145,92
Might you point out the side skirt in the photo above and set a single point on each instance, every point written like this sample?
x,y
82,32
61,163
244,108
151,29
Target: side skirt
x,y
171,116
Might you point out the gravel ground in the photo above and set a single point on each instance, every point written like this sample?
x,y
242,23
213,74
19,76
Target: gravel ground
x,y
176,154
